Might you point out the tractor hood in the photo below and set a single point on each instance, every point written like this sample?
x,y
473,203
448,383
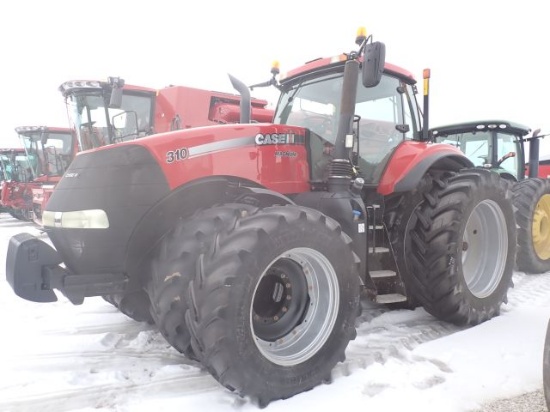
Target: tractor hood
x,y
106,192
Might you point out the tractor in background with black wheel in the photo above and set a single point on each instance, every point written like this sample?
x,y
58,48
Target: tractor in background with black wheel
x,y
500,146
252,244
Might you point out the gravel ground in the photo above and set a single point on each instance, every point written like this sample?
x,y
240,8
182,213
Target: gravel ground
x,y
528,402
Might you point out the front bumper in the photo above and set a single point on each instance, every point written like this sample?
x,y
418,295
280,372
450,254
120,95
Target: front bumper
x,y
33,270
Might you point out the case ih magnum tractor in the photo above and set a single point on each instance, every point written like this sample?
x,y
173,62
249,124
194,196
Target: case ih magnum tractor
x,y
250,245
499,145
49,151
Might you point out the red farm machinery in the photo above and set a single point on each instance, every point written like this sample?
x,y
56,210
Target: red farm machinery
x,y
250,245
49,152
16,183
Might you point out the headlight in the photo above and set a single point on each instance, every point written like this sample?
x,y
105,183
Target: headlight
x,y
80,219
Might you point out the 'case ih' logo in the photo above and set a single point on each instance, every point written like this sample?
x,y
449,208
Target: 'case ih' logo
x,y
278,138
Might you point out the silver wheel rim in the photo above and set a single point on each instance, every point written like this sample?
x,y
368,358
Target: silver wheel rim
x,y
484,249
305,339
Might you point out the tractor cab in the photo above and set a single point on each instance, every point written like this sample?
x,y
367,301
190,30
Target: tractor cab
x,y
6,167
493,144
16,175
384,116
108,112
104,113
15,166
49,150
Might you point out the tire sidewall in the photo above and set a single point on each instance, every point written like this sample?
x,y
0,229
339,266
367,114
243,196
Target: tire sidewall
x,y
241,345
530,262
494,192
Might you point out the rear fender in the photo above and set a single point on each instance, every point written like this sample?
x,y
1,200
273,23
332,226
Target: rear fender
x,y
411,161
182,203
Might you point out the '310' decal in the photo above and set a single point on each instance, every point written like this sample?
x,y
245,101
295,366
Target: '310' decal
x,y
177,155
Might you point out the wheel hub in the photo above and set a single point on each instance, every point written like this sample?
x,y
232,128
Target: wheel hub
x,y
280,300
484,249
295,306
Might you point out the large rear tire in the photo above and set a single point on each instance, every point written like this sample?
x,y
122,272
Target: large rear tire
x,y
173,266
463,246
273,303
532,202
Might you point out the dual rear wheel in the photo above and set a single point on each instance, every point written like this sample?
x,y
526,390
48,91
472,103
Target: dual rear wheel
x,y
459,245
258,295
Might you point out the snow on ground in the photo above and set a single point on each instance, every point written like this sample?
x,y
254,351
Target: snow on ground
x,y
59,357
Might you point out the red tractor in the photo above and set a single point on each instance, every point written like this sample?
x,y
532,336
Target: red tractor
x,y
16,187
250,245
49,151
500,146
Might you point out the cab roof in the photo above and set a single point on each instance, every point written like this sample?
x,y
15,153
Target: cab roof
x,y
27,130
339,60
72,86
503,126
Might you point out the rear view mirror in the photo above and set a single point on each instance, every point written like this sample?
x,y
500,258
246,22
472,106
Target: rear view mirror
x,y
116,84
374,58
44,138
116,98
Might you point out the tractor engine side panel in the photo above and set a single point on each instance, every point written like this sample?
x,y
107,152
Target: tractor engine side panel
x,y
273,156
126,180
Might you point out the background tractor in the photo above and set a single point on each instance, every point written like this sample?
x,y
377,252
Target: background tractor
x,y
250,245
109,112
16,186
49,152
499,145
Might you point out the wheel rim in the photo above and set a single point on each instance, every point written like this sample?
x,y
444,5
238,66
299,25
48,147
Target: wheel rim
x,y
484,249
541,228
290,331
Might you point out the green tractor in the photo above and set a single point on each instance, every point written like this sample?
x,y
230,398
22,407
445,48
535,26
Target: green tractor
x,y
500,146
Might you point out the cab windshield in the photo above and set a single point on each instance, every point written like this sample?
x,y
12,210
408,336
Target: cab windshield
x,y
488,149
15,167
96,124
385,116
48,153
5,168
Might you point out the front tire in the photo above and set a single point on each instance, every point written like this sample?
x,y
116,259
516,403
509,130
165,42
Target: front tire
x,y
173,266
532,202
463,247
275,300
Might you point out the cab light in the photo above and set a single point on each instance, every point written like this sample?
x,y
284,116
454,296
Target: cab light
x,y
361,36
275,67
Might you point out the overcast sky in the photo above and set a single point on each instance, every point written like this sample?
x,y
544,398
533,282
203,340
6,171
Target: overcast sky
x,y
488,58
